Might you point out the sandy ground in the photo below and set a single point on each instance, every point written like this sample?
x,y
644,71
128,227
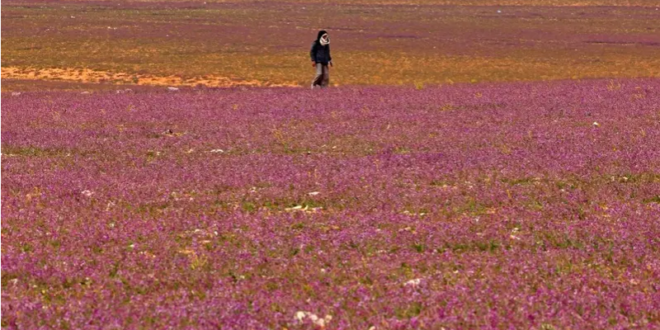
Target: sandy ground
x,y
95,76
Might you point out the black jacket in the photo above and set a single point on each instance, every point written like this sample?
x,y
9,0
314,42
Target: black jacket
x,y
320,54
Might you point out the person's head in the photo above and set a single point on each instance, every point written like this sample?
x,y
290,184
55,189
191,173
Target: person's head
x,y
323,38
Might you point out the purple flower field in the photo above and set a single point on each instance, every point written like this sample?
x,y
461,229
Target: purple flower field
x,y
490,206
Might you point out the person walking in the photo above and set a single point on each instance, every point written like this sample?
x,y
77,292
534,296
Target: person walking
x,y
321,58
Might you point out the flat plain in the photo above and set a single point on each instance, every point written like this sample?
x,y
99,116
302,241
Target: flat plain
x,y
475,165
266,43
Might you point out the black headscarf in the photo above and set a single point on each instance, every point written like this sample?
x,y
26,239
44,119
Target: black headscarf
x,y
319,35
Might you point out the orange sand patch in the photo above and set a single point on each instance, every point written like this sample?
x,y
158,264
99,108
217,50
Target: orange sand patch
x,y
120,78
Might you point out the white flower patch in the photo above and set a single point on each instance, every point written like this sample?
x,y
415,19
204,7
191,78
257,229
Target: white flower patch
x,y
300,316
305,209
87,193
513,235
413,283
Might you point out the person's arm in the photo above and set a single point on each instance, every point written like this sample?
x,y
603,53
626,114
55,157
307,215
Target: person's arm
x,y
329,56
312,53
